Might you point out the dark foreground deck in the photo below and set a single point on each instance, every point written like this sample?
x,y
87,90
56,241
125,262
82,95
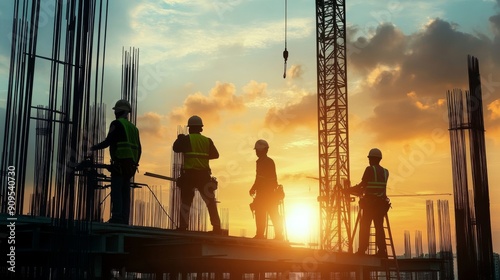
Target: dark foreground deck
x,y
47,249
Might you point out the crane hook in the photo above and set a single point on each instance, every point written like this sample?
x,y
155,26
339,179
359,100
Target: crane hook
x,y
285,56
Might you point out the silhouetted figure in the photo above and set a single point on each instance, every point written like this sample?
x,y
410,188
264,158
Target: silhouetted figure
x,y
196,174
267,193
373,203
125,150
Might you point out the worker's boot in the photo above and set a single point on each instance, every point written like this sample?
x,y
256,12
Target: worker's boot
x,y
217,230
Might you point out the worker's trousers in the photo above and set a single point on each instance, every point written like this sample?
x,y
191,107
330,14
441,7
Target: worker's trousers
x,y
368,215
265,206
120,199
198,180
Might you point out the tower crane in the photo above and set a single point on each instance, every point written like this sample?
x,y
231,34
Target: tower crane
x,y
333,136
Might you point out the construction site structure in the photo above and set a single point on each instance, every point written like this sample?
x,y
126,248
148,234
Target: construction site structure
x,y
389,268
333,134
472,208
65,236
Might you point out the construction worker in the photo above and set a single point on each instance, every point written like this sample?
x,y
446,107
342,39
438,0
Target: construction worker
x,y
196,174
373,203
267,193
125,150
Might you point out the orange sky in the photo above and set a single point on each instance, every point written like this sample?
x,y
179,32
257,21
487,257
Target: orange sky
x,y
397,102
224,62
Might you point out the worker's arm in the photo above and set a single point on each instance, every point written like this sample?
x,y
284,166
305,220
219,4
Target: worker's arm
x,y
112,137
367,177
181,144
358,189
212,152
139,148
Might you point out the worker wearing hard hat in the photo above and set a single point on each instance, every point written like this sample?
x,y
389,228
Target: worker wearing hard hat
x,y
374,203
125,150
196,173
267,193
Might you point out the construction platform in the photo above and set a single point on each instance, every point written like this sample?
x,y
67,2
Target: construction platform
x,y
44,247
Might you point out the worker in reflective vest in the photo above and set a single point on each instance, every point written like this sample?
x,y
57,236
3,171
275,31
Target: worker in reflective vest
x,y
196,173
373,203
125,150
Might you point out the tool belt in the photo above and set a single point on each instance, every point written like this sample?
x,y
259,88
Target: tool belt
x,y
278,193
123,167
198,179
379,204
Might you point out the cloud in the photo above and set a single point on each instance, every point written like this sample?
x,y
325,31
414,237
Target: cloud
x,y
300,114
404,119
295,72
150,124
494,108
221,98
495,26
386,47
168,31
254,90
405,77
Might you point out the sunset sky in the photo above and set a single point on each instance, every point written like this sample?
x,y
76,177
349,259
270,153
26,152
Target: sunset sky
x,y
222,60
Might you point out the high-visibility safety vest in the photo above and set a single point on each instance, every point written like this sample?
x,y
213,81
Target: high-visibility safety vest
x,y
197,158
378,186
130,147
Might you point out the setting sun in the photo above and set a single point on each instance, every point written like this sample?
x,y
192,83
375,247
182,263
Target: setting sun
x,y
301,222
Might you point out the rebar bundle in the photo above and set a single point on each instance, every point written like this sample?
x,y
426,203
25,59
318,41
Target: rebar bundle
x,y
431,229
473,226
59,77
419,250
445,247
407,242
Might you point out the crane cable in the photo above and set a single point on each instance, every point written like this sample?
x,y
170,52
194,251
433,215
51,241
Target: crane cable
x,y
285,52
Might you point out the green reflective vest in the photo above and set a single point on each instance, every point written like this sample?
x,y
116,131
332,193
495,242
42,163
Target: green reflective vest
x,y
130,147
377,187
197,158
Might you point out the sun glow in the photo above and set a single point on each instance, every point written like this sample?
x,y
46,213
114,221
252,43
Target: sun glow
x,y
301,222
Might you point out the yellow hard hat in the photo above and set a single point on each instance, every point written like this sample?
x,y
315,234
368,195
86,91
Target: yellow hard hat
x,y
195,121
375,153
122,105
261,144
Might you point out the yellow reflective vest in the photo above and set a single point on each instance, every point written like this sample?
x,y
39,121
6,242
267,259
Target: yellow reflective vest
x,y
197,158
130,147
378,186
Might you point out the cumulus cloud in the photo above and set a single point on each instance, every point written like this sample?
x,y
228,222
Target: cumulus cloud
x,y
221,98
150,124
300,114
254,90
295,72
405,77
386,47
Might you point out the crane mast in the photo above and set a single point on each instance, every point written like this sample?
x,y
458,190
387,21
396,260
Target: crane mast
x,y
335,222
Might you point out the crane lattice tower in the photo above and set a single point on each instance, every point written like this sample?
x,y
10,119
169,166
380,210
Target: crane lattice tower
x,y
332,125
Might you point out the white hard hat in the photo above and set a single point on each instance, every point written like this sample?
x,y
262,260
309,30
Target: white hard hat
x,y
261,144
122,105
375,153
195,121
